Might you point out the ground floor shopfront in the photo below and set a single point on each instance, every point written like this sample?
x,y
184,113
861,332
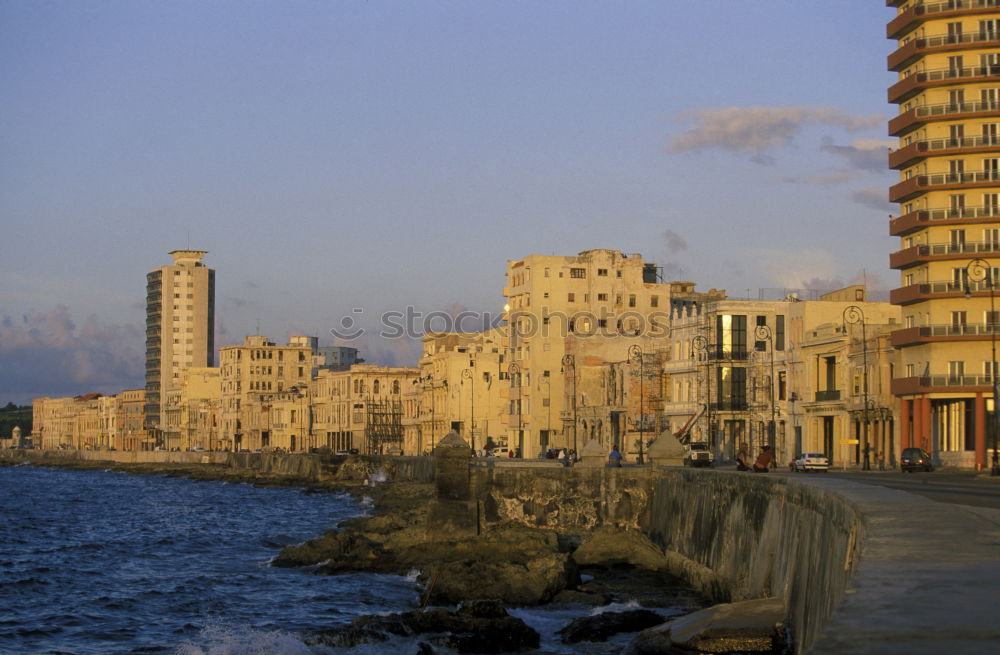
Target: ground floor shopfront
x,y
956,429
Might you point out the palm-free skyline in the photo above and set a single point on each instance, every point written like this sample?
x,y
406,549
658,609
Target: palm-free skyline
x,y
374,155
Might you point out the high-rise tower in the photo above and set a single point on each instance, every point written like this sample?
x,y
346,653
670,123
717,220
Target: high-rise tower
x,y
180,326
948,158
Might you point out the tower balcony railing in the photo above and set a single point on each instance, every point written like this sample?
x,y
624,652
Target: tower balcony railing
x,y
909,154
930,383
942,288
912,84
951,332
915,220
914,118
921,183
917,254
914,48
906,21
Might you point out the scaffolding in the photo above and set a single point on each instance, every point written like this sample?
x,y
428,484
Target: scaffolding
x,y
383,425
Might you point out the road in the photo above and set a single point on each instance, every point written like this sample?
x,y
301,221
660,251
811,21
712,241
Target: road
x,y
945,486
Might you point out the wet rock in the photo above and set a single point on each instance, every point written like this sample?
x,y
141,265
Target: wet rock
x,y
750,626
481,626
570,596
608,547
601,626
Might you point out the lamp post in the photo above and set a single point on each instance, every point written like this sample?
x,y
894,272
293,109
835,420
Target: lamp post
x,y
699,344
854,314
979,270
569,361
635,354
467,375
515,376
763,333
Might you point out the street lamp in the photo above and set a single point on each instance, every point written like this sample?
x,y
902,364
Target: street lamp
x,y
979,270
514,371
569,361
635,354
467,375
763,333
854,314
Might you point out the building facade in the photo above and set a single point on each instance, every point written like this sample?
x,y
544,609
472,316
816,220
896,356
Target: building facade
x,y
180,327
948,157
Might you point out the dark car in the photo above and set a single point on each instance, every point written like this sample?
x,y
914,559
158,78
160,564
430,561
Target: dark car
x,y
915,459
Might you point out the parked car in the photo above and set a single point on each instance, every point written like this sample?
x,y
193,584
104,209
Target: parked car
x,y
698,454
915,459
811,462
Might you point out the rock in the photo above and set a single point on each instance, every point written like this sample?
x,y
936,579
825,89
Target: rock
x,y
606,624
746,626
607,547
481,626
569,596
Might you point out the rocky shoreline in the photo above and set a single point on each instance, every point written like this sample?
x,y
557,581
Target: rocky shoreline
x,y
508,565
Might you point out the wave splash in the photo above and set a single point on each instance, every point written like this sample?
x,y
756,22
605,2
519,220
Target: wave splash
x,y
242,640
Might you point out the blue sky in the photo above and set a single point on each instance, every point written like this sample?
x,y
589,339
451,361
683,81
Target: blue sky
x,y
341,154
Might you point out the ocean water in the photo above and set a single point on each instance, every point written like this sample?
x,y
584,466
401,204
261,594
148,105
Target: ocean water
x,y
99,562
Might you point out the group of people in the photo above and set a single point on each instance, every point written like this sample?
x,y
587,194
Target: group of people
x,y
762,464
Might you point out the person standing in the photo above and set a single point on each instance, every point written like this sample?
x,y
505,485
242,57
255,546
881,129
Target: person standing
x,y
615,458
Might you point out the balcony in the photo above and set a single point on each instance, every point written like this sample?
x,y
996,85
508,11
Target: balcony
x,y
940,251
943,333
910,86
908,20
922,219
828,395
728,355
916,48
934,290
914,152
918,116
918,184
941,384
729,406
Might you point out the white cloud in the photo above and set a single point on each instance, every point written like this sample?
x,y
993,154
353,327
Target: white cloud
x,y
757,129
865,154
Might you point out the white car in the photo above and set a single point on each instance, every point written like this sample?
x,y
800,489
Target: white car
x,y
811,462
698,454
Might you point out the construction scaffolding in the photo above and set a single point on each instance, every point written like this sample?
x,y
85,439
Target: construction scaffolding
x,y
383,426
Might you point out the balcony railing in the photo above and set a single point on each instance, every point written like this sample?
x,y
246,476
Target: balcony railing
x,y
899,225
920,183
916,254
910,85
732,355
829,394
946,331
917,116
917,292
907,20
917,47
906,155
729,406
925,383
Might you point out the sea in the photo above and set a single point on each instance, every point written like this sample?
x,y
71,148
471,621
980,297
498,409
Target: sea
x,y
103,562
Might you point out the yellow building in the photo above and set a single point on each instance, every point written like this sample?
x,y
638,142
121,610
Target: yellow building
x,y
461,386
180,325
250,375
599,294
130,433
361,408
948,158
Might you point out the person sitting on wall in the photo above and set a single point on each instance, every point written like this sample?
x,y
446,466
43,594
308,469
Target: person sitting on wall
x,y
763,460
615,458
741,460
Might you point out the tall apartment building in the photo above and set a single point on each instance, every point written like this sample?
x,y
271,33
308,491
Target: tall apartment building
x,y
180,326
948,158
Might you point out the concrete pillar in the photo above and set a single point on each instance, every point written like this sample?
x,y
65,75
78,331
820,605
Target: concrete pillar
x,y
980,432
925,424
451,467
918,422
593,455
905,408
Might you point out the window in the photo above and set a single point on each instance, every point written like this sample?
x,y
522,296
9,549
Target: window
x,y
578,273
602,272
956,370
602,297
571,297
654,301
631,300
761,320
779,332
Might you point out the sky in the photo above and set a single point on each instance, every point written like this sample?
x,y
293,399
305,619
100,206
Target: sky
x,y
347,158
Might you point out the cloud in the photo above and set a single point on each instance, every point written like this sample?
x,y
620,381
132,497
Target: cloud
x,y
864,154
48,354
800,269
757,129
675,242
873,197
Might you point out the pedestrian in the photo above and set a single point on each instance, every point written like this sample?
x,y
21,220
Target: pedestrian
x,y
562,457
510,454
741,460
880,458
615,458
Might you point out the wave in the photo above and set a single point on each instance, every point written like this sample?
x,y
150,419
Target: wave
x,y
220,639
